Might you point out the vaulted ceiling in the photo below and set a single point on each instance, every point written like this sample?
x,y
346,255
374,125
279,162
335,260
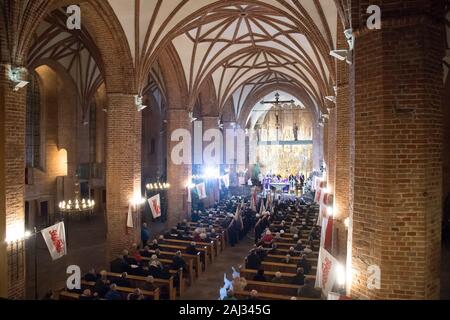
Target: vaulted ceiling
x,y
234,42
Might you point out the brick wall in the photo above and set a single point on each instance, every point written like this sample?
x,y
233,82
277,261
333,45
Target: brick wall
x,y
398,130
178,175
331,164
123,170
12,170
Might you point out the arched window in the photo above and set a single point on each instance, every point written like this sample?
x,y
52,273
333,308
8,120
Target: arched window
x,y
33,124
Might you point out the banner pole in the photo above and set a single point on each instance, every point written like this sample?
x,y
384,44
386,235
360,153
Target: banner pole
x,y
36,294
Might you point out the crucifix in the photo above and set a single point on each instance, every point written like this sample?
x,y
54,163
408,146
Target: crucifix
x,y
277,102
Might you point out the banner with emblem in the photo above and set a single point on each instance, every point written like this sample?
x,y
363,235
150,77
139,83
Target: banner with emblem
x,y
201,191
326,271
155,206
55,239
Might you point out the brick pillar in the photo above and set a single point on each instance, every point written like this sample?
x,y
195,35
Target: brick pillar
x,y
397,86
123,171
344,149
213,186
331,165
178,175
12,185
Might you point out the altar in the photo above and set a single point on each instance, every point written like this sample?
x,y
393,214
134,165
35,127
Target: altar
x,y
281,187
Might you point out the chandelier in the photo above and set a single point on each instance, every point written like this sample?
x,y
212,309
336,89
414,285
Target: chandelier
x,y
158,186
77,206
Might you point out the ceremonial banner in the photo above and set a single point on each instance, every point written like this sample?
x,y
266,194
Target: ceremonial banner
x,y
326,271
201,191
226,180
269,200
55,239
130,223
326,233
238,217
189,195
262,209
155,206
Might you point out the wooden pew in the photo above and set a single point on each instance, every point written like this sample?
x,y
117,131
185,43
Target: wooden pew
x,y
189,267
243,295
170,247
154,295
283,267
140,281
249,274
199,245
276,258
276,288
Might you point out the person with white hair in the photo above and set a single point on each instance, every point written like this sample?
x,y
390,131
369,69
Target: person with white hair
x,y
135,295
293,229
178,261
253,295
149,284
278,278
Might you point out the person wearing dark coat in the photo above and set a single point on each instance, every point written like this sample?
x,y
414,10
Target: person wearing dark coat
x,y
119,265
253,260
123,281
101,287
178,262
145,234
191,249
260,276
305,264
91,276
299,278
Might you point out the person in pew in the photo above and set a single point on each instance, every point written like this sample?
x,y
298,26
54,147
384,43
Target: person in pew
x,y
136,295
196,237
299,246
91,276
293,229
113,294
253,261
154,245
87,296
299,278
260,276
191,249
293,253
262,254
123,281
145,234
178,262
267,239
253,295
101,287
309,291
230,295
287,259
136,254
305,264
150,284
146,252
278,278
129,259
239,283
140,271
119,265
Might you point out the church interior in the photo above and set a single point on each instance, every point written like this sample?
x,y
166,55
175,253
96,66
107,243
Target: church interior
x,y
225,150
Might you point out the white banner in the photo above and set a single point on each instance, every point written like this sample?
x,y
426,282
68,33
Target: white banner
x,y
55,238
155,206
201,190
326,271
226,180
130,217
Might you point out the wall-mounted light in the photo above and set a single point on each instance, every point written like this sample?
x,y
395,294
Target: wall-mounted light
x,y
347,222
15,75
138,101
350,38
137,200
156,186
330,211
191,117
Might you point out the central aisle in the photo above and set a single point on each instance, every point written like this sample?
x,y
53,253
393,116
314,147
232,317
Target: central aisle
x,y
208,285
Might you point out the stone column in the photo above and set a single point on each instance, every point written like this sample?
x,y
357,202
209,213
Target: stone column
x,y
178,175
397,87
12,185
123,171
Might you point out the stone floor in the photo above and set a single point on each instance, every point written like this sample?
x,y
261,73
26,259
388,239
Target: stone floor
x,y
87,249
208,285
